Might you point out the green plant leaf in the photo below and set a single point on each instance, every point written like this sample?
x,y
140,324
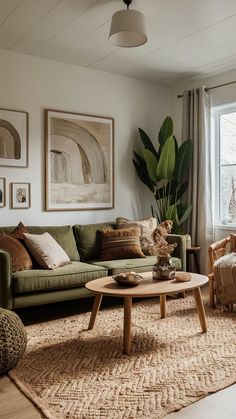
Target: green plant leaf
x,y
182,188
166,130
143,176
183,159
140,160
147,142
151,163
166,164
186,214
172,213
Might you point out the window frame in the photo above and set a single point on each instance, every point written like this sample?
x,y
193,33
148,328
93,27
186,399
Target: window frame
x,y
217,111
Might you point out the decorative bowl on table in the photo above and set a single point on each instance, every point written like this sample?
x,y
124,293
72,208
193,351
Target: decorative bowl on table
x,y
128,279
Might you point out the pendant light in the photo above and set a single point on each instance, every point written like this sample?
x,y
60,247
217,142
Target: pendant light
x,y
128,28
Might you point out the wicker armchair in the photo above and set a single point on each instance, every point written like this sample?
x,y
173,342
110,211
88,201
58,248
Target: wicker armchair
x,y
215,251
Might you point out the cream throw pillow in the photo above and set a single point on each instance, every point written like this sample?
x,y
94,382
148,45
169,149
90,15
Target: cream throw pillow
x,y
46,251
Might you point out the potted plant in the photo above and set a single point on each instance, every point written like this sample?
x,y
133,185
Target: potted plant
x,y
164,171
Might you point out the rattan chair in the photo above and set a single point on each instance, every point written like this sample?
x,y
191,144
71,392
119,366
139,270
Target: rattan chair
x,y
215,251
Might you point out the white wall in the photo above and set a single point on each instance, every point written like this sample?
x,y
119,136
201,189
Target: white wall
x,y
220,96
34,84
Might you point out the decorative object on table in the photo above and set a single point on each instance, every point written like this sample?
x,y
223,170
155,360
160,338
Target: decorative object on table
x,y
12,339
128,28
14,138
79,161
2,192
128,279
164,268
183,276
164,172
20,195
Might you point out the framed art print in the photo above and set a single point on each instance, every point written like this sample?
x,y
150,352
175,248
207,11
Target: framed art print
x,y
79,161
2,192
20,195
13,138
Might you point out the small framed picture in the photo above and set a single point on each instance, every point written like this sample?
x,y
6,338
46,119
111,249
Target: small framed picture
x,y
20,195
2,192
14,138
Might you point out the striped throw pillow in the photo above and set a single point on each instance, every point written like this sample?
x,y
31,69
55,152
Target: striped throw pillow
x,y
120,244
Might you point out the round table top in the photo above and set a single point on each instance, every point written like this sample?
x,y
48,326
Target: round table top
x,y
146,288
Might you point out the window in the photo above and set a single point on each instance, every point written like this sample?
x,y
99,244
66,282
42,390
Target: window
x,y
224,127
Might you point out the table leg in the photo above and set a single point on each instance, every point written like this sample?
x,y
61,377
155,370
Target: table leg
x,y
200,309
96,306
163,305
127,325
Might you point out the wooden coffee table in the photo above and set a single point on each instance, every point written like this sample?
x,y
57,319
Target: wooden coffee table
x,y
147,288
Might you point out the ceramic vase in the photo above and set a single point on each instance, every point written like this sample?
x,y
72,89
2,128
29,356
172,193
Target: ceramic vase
x,y
164,268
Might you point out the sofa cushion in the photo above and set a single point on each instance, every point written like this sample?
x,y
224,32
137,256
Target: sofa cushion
x,y
46,251
20,258
87,239
138,265
147,228
69,276
120,244
62,234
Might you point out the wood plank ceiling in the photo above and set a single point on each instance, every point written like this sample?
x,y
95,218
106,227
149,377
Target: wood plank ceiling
x,y
187,38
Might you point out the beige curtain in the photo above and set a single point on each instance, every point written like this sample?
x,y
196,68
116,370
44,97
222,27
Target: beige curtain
x,y
196,125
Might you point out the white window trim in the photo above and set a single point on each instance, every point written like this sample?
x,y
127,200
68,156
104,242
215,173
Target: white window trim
x,y
215,161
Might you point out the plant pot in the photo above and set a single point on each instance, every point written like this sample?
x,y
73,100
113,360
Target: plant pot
x,y
164,268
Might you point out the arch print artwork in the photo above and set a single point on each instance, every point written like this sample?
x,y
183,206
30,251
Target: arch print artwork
x,y
13,138
79,161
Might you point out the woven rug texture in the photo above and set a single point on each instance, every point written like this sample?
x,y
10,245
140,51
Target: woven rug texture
x,y
70,372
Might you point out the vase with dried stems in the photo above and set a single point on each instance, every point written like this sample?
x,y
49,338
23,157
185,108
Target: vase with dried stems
x,y
164,268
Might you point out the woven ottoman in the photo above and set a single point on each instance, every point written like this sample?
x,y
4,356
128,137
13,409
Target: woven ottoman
x,y
12,339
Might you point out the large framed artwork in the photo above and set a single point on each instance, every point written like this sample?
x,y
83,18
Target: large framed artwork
x,y
79,161
13,138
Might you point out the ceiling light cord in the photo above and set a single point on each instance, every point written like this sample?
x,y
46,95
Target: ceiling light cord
x,y
128,3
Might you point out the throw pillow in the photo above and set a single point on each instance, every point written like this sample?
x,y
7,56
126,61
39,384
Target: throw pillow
x,y
20,258
19,231
46,251
147,228
120,244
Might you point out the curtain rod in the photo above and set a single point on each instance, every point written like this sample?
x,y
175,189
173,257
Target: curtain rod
x,y
213,87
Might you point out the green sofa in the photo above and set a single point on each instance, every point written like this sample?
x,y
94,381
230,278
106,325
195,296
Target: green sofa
x,y
42,286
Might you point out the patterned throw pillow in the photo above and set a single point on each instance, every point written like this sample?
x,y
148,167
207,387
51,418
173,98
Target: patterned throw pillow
x,y
46,251
20,258
120,244
147,228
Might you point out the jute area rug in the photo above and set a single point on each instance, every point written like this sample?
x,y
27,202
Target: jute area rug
x,y
70,372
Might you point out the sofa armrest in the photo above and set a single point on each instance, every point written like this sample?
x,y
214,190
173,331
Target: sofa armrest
x,y
5,280
180,250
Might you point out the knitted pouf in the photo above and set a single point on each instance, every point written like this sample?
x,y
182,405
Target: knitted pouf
x,y
12,339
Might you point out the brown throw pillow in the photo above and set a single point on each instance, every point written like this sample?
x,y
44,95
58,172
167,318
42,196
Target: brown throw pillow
x,y
20,258
18,232
147,228
120,244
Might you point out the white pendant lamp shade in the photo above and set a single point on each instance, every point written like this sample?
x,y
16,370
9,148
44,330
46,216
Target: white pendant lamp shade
x,y
128,29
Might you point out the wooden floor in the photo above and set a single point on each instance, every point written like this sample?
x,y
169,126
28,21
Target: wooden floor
x,y
14,405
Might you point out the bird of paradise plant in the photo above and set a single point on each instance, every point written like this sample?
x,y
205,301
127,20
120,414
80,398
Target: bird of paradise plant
x,y
164,171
